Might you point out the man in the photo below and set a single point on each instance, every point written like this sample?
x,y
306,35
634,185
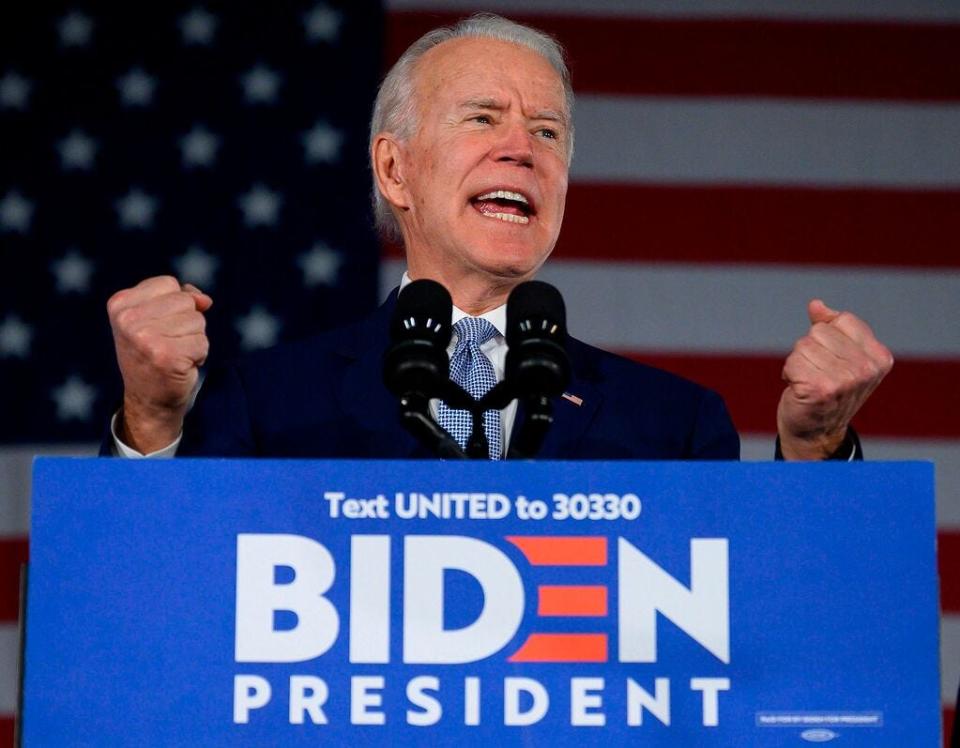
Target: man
x,y
471,142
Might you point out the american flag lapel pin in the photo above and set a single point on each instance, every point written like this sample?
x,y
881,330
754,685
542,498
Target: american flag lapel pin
x,y
578,401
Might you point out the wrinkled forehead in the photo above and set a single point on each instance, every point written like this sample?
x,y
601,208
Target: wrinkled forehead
x,y
476,68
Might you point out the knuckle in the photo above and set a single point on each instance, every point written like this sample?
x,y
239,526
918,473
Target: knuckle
x,y
886,359
853,378
869,370
819,334
157,285
166,282
158,355
805,345
172,303
848,374
831,389
185,301
115,302
145,341
126,318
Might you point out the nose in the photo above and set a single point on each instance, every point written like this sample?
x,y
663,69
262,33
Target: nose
x,y
513,144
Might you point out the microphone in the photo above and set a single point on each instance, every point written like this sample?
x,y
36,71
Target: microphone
x,y
416,361
537,367
416,365
537,362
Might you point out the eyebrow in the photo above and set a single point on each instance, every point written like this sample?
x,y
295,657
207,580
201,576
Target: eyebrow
x,y
546,114
481,104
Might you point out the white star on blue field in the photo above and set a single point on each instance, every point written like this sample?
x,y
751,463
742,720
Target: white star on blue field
x,y
223,144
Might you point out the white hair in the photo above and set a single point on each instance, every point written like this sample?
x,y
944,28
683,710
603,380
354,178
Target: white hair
x,y
395,109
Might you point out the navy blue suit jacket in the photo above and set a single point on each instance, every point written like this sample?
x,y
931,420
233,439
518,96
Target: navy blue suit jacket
x,y
324,397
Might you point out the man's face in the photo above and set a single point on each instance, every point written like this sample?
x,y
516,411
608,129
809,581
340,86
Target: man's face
x,y
486,171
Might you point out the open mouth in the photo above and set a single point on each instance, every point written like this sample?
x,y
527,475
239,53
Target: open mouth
x,y
504,205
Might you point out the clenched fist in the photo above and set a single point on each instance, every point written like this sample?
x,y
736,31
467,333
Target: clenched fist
x,y
160,335
829,374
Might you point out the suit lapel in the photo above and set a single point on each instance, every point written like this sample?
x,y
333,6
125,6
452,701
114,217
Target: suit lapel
x,y
364,398
570,421
571,416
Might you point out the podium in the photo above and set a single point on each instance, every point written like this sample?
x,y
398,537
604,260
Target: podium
x,y
283,602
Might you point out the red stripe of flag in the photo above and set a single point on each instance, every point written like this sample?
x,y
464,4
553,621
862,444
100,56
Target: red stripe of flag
x,y
13,552
948,563
919,398
738,57
794,225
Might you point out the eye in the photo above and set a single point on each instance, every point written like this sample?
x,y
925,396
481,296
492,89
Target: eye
x,y
483,119
549,133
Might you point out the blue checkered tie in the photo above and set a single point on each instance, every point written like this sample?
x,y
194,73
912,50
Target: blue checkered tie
x,y
472,370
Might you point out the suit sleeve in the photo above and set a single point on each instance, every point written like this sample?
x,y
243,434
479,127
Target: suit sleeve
x,y
219,423
714,436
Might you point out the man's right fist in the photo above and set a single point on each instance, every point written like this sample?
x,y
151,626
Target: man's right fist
x,y
160,334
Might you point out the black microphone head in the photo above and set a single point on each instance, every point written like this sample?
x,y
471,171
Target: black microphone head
x,y
535,304
424,308
537,361
417,360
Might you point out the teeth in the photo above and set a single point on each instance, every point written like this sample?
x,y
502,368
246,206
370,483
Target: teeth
x,y
509,217
504,195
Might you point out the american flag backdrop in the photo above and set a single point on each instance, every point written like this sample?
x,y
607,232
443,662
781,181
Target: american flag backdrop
x,y
734,158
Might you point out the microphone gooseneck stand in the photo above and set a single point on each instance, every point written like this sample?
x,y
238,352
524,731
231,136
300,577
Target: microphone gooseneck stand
x,y
415,417
529,439
416,368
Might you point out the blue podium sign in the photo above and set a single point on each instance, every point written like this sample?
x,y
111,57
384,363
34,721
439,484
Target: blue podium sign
x,y
220,602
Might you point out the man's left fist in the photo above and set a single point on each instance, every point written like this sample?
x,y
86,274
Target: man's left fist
x,y
830,373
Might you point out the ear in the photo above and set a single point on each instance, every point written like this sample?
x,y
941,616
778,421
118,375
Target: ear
x,y
387,156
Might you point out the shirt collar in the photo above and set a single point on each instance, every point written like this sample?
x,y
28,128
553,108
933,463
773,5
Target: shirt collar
x,y
496,317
